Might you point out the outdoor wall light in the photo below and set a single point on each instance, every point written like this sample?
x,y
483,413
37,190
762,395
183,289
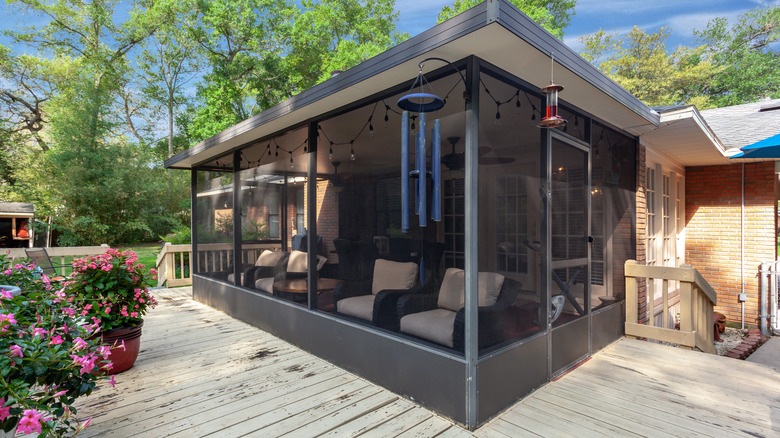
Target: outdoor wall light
x,y
551,118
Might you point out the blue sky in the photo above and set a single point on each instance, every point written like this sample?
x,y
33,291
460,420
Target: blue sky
x,y
611,15
682,16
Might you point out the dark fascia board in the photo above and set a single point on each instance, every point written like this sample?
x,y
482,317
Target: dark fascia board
x,y
521,25
437,36
484,14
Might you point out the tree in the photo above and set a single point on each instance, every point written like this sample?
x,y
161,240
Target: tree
x,y
748,55
261,52
168,63
553,15
640,63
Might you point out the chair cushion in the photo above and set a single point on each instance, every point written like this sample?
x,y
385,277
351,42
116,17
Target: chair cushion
x,y
265,285
434,325
269,258
360,307
389,275
299,262
232,277
451,296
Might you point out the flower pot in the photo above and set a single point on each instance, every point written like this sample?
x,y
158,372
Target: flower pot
x,y
123,359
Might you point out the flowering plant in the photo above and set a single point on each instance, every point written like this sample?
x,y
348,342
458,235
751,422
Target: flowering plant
x,y
109,289
47,359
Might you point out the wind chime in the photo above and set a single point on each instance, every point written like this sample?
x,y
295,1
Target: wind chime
x,y
421,103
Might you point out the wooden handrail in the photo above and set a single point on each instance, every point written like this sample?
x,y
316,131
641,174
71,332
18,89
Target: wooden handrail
x,y
215,257
61,253
697,300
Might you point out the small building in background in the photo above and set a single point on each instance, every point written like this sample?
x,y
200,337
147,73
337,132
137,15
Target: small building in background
x,y
16,224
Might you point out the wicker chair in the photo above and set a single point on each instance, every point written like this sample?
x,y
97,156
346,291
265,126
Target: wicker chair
x,y
441,318
376,300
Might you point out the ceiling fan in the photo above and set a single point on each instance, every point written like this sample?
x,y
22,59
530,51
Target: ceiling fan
x,y
457,160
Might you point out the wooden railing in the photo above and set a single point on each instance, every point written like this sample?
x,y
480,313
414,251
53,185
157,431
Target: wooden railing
x,y
175,263
63,255
697,299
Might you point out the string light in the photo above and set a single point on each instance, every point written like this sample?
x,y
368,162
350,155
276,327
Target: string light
x,y
330,152
352,150
370,126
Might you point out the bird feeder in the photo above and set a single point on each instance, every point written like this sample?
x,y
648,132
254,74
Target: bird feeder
x,y
551,118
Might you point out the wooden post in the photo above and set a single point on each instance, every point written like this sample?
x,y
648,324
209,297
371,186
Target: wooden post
x,y
665,310
631,295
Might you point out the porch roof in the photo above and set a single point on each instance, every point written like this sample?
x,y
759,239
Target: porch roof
x,y
16,209
495,31
684,136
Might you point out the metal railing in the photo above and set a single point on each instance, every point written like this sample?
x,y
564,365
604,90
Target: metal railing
x,y
697,300
62,255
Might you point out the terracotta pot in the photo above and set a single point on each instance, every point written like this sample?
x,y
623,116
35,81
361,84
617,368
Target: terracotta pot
x,y
123,359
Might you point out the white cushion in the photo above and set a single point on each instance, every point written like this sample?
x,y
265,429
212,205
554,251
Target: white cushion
x,y
231,279
360,307
389,275
269,258
265,284
434,325
451,296
299,262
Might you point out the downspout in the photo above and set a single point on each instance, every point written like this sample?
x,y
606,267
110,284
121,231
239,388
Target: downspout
x,y
742,243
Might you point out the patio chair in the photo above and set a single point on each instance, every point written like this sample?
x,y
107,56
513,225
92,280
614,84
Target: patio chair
x,y
442,319
41,258
270,264
289,266
376,300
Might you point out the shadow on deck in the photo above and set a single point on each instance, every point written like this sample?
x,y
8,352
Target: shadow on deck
x,y
202,373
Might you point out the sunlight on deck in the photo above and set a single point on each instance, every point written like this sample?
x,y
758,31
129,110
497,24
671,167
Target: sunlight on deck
x,y
203,373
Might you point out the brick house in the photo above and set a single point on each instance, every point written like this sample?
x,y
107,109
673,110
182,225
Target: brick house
x,y
697,206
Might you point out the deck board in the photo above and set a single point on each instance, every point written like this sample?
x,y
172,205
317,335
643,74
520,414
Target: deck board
x,y
203,373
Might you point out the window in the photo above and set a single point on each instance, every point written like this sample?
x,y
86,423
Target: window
x,y
651,256
272,202
300,207
454,223
667,223
511,224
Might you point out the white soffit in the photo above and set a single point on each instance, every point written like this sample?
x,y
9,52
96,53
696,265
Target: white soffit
x,y
685,137
492,42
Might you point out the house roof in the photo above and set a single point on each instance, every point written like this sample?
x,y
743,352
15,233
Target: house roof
x,y
684,136
495,31
741,125
17,209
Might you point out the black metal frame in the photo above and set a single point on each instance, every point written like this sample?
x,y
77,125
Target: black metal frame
x,y
469,388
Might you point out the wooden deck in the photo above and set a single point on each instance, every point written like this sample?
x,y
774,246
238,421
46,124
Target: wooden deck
x,y
202,373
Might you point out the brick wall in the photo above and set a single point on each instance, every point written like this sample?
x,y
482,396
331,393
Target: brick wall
x,y
713,230
327,218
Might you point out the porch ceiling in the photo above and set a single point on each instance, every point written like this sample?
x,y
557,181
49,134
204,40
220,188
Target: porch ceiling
x,y
685,137
494,31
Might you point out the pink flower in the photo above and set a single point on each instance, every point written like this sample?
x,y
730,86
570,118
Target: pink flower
x,y
133,314
5,412
111,381
107,310
30,422
80,344
60,393
16,351
38,331
56,340
6,294
9,318
105,351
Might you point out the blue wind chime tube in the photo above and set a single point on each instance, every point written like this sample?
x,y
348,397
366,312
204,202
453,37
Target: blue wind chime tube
x,y
422,177
436,171
416,173
405,171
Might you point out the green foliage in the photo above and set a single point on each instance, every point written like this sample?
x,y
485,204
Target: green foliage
x,y
747,53
179,236
111,288
640,63
49,360
553,15
254,230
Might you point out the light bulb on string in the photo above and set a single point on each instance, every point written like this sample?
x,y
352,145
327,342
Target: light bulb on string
x,y
370,127
330,152
387,118
292,164
498,114
352,150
